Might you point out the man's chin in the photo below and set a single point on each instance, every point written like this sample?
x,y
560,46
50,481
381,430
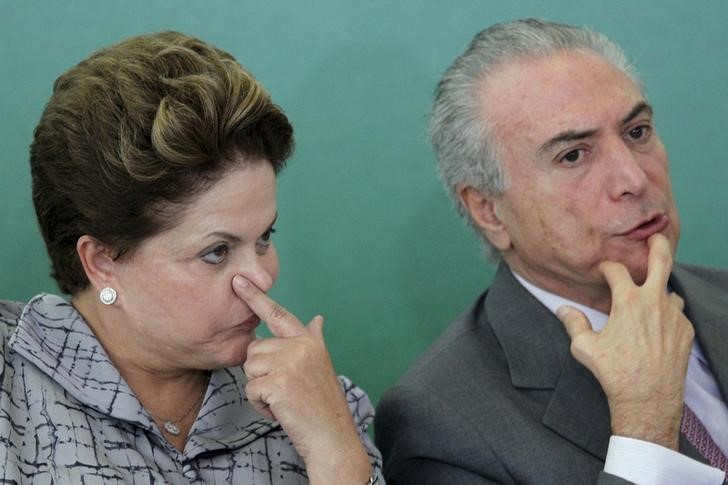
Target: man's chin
x,y
639,275
635,261
636,264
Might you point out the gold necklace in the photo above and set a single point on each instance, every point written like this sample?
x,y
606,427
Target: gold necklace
x,y
170,425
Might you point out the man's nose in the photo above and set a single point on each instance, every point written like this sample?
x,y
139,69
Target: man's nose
x,y
627,177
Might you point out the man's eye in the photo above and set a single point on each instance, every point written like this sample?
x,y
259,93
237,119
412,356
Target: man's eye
x,y
572,156
216,255
639,132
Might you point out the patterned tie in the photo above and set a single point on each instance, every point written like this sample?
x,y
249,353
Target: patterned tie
x,y
696,433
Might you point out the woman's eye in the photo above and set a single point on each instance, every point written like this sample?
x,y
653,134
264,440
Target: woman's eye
x,y
216,255
263,241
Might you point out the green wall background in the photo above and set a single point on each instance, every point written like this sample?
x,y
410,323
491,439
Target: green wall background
x,y
366,236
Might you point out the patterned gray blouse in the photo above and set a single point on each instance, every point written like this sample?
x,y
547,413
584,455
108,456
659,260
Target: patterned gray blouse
x,y
67,416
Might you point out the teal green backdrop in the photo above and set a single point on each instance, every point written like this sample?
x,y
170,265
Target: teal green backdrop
x,y
366,235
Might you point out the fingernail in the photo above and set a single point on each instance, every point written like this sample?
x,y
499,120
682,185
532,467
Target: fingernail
x,y
240,282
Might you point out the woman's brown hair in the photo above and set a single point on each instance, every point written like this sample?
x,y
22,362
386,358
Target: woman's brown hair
x,y
133,133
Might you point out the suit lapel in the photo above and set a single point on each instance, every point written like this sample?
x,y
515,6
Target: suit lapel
x,y
537,350
706,305
579,411
536,347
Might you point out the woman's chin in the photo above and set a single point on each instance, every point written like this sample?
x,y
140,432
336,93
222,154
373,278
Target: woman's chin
x,y
233,352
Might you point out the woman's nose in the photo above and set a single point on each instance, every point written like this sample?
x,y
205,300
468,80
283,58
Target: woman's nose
x,y
262,271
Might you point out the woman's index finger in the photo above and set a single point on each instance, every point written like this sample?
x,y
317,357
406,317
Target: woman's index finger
x,y
280,321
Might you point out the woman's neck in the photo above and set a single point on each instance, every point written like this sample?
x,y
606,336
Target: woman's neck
x,y
169,394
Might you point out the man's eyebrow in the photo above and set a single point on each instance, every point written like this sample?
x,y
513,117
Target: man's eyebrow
x,y
639,108
564,136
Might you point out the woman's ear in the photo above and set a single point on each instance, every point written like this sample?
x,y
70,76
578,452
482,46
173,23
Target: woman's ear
x,y
483,210
97,261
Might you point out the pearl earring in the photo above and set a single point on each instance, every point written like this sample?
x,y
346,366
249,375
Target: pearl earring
x,y
107,296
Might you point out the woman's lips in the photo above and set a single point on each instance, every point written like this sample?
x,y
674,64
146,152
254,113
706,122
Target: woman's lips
x,y
648,228
251,323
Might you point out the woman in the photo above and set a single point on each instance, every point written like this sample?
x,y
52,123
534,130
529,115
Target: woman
x,y
153,172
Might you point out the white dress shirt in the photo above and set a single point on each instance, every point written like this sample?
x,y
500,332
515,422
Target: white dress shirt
x,y
643,462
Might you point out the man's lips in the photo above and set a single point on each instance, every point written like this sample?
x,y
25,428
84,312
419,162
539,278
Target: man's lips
x,y
647,228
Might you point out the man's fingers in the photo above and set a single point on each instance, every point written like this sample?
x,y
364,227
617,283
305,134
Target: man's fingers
x,y
659,261
579,329
574,321
659,265
617,276
279,320
676,301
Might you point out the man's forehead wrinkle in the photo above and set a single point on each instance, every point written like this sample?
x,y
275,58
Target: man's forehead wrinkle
x,y
513,93
641,107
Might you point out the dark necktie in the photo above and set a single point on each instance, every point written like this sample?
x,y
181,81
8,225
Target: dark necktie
x,y
696,433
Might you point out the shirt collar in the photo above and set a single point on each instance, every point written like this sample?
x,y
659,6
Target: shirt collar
x,y
553,301
596,318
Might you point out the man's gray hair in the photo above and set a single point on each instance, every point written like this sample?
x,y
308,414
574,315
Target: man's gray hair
x,y
459,127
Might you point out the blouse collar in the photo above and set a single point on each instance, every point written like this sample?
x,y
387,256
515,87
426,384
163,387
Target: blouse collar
x,y
54,337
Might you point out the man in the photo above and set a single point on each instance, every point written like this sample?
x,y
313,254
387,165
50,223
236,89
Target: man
x,y
547,144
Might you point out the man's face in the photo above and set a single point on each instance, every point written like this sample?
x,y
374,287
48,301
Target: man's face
x,y
586,174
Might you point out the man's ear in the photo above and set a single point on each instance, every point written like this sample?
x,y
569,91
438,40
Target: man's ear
x,y
483,210
97,261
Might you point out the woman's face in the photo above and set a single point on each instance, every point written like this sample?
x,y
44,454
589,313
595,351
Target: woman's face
x,y
176,289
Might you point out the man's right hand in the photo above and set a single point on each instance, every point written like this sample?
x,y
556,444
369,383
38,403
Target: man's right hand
x,y
640,357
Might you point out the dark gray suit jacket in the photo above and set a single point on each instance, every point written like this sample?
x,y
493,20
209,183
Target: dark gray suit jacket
x,y
499,398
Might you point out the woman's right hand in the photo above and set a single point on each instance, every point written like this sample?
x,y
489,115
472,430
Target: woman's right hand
x,y
291,379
